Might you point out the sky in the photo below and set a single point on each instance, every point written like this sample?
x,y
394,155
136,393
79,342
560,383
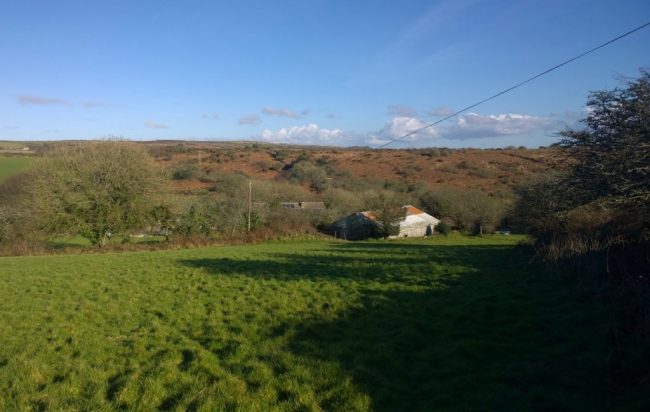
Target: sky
x,y
340,73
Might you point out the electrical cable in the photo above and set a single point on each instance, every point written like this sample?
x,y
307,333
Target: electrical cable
x,y
509,89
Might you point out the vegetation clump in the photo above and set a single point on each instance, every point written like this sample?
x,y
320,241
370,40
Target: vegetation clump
x,y
98,190
185,171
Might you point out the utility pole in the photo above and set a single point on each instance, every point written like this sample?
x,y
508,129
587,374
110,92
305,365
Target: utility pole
x,y
250,202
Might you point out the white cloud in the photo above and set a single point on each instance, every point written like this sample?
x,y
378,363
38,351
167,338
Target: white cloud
x,y
250,120
307,134
155,125
28,99
275,111
465,127
473,125
399,126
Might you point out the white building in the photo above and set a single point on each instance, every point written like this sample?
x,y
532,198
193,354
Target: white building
x,y
362,225
415,223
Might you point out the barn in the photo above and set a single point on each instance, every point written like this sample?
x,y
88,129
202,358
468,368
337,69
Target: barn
x,y
416,223
363,225
357,226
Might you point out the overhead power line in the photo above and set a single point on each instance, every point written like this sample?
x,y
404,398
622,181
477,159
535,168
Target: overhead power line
x,y
509,89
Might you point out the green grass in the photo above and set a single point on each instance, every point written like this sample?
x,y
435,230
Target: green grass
x,y
13,165
11,145
78,242
446,324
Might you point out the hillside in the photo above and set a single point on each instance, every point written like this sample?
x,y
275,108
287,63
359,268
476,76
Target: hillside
x,y
494,170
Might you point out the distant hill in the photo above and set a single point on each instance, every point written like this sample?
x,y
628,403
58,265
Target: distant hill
x,y
487,170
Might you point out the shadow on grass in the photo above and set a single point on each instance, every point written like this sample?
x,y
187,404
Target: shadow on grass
x,y
489,335
409,264
78,242
460,349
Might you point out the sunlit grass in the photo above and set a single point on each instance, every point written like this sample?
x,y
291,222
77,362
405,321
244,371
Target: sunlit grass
x,y
446,324
13,165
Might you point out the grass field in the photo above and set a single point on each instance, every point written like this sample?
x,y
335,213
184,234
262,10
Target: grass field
x,y
11,145
77,242
445,324
12,165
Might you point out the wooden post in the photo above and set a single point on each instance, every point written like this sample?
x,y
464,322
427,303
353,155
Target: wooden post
x,y
250,202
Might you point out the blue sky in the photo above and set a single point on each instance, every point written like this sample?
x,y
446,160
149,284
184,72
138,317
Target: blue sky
x,y
309,71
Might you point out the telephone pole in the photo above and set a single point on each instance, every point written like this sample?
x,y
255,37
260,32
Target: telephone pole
x,y
250,202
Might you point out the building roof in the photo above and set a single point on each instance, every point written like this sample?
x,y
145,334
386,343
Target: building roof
x,y
411,210
370,215
408,210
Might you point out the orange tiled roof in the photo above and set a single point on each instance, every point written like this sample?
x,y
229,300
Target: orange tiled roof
x,y
412,210
370,215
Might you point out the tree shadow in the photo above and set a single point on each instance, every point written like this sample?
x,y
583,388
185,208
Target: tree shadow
x,y
483,331
459,349
406,263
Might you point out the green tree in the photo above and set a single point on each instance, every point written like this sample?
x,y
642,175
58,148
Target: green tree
x,y
595,214
470,209
387,207
611,156
95,189
606,185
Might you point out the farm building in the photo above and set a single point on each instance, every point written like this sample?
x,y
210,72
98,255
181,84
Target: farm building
x,y
362,225
416,223
357,226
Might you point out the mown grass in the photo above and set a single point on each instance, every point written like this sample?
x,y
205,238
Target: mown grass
x,y
13,165
445,324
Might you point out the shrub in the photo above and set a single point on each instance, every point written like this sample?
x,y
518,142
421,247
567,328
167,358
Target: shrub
x,y
304,171
443,228
185,171
94,189
472,210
